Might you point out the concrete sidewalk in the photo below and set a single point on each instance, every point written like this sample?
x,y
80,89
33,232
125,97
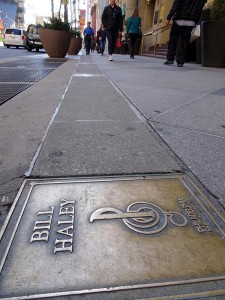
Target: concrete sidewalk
x,y
95,132
95,117
184,105
94,138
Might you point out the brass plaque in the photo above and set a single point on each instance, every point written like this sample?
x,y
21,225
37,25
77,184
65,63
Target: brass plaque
x,y
106,235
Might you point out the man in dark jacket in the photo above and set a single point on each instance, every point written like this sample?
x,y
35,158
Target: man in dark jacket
x,y
185,14
88,34
113,22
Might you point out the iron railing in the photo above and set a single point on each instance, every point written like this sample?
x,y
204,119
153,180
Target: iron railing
x,y
155,33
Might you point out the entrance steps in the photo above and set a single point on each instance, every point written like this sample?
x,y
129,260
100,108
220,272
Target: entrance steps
x,y
160,51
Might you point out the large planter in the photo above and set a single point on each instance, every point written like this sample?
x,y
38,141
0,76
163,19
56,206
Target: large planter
x,y
213,44
75,46
55,42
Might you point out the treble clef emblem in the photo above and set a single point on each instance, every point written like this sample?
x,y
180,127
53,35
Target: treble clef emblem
x,y
141,217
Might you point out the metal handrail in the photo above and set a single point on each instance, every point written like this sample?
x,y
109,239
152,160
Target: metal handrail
x,y
153,31
156,32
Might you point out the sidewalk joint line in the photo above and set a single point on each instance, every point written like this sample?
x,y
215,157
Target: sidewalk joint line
x,y
190,101
88,75
189,129
33,161
117,121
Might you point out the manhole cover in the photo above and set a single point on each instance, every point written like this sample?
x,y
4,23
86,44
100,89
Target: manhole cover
x,y
130,237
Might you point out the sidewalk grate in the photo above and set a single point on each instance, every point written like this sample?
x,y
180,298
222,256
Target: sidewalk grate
x,y
18,75
9,90
36,63
22,74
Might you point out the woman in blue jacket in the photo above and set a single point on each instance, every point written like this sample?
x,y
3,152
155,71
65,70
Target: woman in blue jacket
x,y
133,29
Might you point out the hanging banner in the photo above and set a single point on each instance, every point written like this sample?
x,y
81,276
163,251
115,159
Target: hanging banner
x,y
82,18
1,24
65,2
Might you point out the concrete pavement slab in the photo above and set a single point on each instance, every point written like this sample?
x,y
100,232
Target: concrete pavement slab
x,y
202,109
154,101
24,120
93,98
203,153
96,132
172,95
109,257
151,72
87,66
98,148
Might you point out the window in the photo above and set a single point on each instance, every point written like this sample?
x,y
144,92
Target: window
x,y
20,10
13,31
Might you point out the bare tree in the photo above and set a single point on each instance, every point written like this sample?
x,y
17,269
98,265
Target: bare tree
x,y
52,7
65,3
60,8
65,11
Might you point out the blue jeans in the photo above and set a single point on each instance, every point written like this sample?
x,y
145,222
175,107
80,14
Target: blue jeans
x,y
102,45
88,45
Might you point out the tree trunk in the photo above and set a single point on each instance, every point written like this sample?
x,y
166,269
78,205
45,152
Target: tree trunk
x,y
52,6
65,13
60,9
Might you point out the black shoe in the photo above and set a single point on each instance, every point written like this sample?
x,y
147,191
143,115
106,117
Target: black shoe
x,y
168,62
180,65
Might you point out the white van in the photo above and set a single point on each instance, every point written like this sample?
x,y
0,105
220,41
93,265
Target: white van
x,y
14,37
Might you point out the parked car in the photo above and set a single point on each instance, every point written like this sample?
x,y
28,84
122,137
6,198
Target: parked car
x,y
33,40
14,37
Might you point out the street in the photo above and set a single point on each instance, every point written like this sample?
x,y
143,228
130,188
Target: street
x,y
12,52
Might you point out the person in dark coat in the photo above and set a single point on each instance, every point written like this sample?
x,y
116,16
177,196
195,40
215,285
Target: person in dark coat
x,y
101,39
113,23
185,14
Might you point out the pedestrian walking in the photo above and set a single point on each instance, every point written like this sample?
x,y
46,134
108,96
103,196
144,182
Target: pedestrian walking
x,y
185,14
101,39
93,44
88,34
113,22
133,29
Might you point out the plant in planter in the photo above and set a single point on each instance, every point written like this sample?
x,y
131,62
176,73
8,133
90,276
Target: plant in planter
x,y
75,43
55,37
213,37
218,10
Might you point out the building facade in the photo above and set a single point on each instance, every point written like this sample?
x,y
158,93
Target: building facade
x,y
20,12
152,12
8,12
